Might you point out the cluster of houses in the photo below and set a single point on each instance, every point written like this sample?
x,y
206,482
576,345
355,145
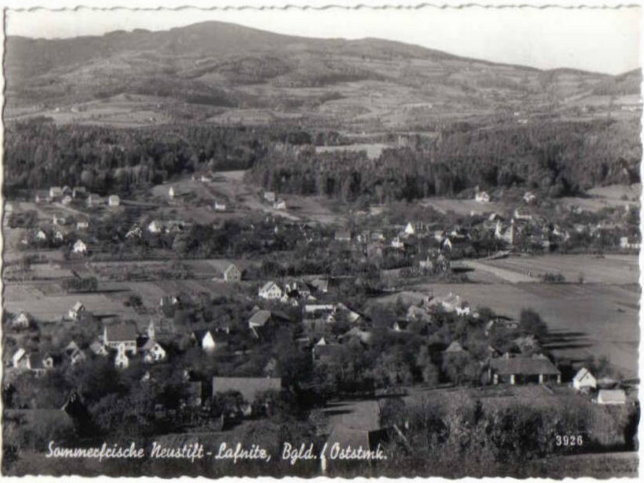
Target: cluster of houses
x,y
67,196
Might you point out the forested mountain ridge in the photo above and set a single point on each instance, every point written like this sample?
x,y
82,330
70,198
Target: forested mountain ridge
x,y
227,73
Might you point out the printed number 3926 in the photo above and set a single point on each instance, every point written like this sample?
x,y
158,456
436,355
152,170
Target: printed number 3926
x,y
569,440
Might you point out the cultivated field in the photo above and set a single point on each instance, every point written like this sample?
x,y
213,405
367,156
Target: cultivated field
x,y
47,307
610,269
463,207
597,318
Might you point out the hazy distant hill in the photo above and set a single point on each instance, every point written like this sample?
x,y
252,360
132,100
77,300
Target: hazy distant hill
x,y
229,73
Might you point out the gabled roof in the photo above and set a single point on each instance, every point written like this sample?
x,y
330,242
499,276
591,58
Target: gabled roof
x,y
268,286
617,396
582,374
528,366
259,318
121,332
248,387
454,347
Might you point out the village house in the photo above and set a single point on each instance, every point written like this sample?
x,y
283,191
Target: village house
x,y
67,200
76,311
153,352
320,285
55,192
612,397
134,232
94,200
120,336
98,349
342,236
21,321
79,192
155,227
171,192
584,380
114,201
523,370
205,340
410,229
79,248
227,271
220,206
397,243
41,235
269,196
82,225
259,321
481,196
270,291
33,361
279,205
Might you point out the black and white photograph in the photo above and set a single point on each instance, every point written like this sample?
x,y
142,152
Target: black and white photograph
x,y
321,240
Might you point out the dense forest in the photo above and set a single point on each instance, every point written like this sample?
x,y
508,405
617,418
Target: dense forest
x,y
557,158
40,154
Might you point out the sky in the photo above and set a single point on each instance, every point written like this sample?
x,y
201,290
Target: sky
x,y
606,41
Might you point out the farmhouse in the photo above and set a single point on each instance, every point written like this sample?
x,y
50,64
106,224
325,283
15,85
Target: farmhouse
x,y
584,380
79,247
248,387
113,201
611,397
226,271
153,352
269,196
76,311
220,206
270,291
82,225
523,370
41,235
121,336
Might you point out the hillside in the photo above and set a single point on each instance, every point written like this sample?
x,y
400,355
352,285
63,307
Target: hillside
x,y
226,73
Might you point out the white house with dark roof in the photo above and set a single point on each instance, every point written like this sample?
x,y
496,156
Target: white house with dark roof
x,y
226,270
121,336
584,380
76,311
270,291
114,201
79,248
